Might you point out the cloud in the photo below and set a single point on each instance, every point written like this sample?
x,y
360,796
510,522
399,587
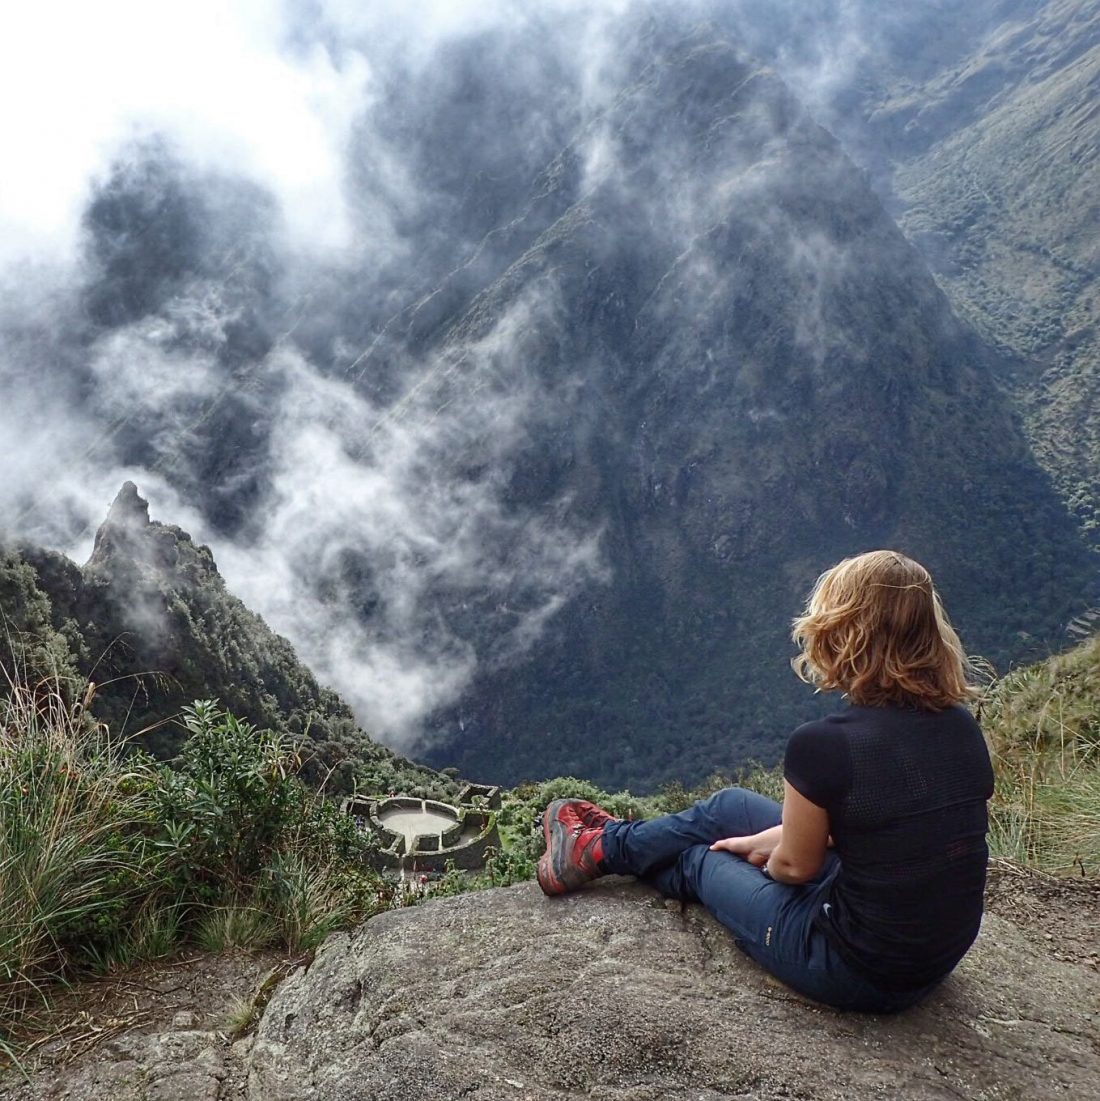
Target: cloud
x,y
88,79
369,510
372,516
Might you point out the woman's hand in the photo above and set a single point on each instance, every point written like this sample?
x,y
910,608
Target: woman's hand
x,y
756,848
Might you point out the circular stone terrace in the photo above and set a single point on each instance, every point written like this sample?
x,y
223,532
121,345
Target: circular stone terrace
x,y
426,835
428,819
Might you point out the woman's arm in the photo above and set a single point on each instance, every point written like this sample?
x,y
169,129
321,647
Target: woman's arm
x,y
803,840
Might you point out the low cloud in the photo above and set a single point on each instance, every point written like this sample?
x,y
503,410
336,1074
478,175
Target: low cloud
x,y
397,517
312,155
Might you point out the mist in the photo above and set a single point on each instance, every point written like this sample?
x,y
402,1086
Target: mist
x,y
347,291
193,191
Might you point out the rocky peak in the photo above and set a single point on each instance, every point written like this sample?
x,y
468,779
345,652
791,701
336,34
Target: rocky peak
x,y
130,541
129,507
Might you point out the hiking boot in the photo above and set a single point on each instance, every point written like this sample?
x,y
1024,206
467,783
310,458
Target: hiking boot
x,y
591,815
574,849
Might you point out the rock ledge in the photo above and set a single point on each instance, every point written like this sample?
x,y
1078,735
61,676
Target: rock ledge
x,y
615,994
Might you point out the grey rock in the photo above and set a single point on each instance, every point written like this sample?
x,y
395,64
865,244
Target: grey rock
x,y
141,1066
610,993
240,1048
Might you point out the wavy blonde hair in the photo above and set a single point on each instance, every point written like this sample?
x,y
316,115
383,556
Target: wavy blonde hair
x,y
874,627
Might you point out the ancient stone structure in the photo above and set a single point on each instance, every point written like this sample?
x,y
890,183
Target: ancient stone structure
x,y
424,835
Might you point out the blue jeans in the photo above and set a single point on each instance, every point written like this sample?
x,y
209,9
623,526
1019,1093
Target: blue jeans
x,y
772,922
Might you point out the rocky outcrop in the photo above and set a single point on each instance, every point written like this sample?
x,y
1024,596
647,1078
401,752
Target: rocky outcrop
x,y
149,618
613,993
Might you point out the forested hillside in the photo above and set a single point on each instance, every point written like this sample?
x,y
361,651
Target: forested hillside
x,y
977,121
997,168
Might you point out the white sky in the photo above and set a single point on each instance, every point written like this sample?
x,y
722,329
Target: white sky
x,y
79,79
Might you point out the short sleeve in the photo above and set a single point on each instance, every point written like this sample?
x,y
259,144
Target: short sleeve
x,y
817,763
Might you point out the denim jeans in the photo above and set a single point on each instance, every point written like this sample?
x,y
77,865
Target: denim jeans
x,y
771,922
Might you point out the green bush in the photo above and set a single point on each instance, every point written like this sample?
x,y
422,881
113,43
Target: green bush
x,y
107,856
233,803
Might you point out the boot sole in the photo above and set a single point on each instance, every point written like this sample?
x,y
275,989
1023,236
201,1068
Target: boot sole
x,y
549,877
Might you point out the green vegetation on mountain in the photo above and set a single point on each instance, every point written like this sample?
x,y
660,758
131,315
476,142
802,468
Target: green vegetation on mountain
x,y
149,621
993,144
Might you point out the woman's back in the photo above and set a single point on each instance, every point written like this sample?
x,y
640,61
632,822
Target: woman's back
x,y
906,791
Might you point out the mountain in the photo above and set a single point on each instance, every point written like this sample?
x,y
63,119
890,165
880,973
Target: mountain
x,y
997,167
978,121
754,374
149,621
624,351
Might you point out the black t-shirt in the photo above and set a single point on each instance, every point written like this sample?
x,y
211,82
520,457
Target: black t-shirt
x,y
906,793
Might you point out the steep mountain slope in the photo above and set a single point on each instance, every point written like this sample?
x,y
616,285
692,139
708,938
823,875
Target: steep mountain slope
x,y
149,620
752,374
1002,192
979,122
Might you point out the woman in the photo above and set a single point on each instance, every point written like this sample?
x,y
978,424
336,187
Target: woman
x,y
865,888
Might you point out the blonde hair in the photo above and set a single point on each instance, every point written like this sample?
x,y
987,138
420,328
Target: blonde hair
x,y
874,627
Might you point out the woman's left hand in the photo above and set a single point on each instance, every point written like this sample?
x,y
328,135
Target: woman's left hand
x,y
756,848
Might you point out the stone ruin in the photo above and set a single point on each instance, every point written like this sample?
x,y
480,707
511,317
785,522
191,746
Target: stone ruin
x,y
426,835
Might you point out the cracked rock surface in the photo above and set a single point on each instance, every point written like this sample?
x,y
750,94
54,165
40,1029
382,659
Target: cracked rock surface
x,y
613,993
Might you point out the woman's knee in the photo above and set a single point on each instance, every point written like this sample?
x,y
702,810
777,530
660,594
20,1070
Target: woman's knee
x,y
735,892
738,811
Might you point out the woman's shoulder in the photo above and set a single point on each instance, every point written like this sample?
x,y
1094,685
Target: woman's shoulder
x,y
817,761
831,725
900,714
828,731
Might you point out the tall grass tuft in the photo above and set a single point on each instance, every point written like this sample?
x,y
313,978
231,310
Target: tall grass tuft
x,y
1043,724
235,925
70,817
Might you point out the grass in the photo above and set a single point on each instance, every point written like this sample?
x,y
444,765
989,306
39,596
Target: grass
x,y
240,1017
1043,724
235,926
65,795
109,858
1046,809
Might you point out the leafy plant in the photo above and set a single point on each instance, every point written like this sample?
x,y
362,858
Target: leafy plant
x,y
108,857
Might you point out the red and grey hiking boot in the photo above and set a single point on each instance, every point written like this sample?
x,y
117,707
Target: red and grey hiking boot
x,y
573,829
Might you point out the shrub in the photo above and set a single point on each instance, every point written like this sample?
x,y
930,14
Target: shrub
x,y
73,856
108,857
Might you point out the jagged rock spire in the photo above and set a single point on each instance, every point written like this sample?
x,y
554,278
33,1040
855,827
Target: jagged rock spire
x,y
122,530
